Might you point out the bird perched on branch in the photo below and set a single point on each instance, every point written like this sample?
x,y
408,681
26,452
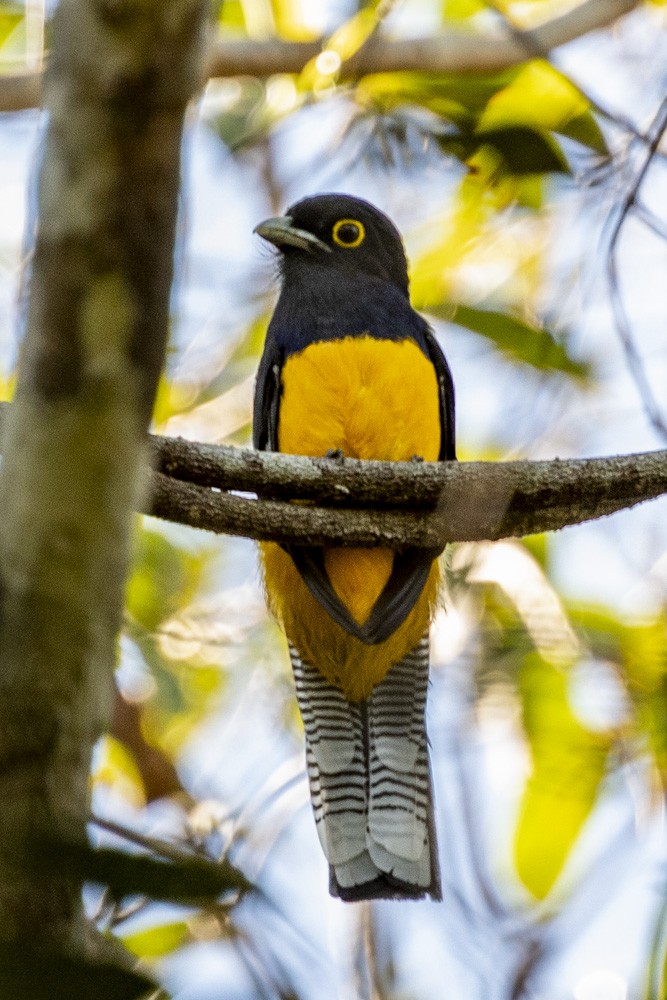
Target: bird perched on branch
x,y
350,369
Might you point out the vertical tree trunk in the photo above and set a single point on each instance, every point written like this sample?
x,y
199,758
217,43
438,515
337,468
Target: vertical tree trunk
x,y
120,75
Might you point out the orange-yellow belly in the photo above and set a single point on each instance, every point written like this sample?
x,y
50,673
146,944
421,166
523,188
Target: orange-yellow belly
x,y
370,399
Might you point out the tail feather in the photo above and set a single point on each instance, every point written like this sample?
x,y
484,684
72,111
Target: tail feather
x,y
335,763
370,781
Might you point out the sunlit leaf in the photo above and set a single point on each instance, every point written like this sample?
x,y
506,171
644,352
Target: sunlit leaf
x,y
461,10
243,115
542,99
12,32
539,548
7,387
644,663
288,17
157,941
516,338
585,130
231,16
569,763
116,766
459,98
172,398
639,651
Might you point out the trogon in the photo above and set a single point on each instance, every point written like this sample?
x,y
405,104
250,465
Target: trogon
x,y
349,368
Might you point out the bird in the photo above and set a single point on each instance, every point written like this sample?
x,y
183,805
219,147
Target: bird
x,y
350,370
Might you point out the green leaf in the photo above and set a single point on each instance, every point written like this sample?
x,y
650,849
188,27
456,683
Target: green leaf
x,y
456,97
461,10
569,763
189,880
42,976
231,16
157,941
519,151
521,341
525,150
541,98
11,16
584,129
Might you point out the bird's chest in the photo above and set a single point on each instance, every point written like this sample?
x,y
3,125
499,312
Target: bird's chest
x,y
367,397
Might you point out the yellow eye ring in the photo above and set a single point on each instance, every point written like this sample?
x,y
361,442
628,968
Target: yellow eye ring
x,y
349,244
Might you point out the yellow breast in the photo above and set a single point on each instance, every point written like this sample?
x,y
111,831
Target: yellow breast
x,y
371,399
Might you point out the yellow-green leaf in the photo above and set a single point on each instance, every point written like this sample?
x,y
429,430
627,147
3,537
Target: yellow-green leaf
x,y
569,763
516,338
542,98
461,10
288,17
157,941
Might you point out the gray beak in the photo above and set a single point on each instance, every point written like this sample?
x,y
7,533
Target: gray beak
x,y
281,232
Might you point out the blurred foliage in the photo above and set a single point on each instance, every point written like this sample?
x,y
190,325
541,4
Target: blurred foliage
x,y
568,765
12,34
505,139
505,142
185,879
45,976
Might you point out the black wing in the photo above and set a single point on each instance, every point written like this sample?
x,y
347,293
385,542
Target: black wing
x,y
267,398
446,390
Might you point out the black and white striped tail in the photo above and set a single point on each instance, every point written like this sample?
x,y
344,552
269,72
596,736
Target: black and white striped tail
x,y
370,781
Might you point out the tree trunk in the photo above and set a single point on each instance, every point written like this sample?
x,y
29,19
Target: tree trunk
x,y
120,76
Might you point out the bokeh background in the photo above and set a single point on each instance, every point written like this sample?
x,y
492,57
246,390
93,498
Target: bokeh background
x,y
532,203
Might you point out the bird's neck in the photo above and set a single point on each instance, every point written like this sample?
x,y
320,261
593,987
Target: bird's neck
x,y
323,304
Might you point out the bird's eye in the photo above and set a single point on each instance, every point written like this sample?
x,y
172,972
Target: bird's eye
x,y
348,233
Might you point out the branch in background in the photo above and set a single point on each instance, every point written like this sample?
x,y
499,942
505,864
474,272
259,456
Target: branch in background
x,y
453,52
158,774
464,501
622,322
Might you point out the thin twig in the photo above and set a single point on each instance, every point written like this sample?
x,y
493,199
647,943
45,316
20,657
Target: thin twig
x,y
650,220
152,844
622,321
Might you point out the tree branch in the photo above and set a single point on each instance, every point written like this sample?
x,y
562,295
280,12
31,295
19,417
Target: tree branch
x,y
453,52
353,502
454,501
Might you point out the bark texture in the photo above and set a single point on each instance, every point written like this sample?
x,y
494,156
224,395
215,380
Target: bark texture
x,y
120,75
350,502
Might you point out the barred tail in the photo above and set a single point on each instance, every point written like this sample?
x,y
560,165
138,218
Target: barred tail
x,y
370,781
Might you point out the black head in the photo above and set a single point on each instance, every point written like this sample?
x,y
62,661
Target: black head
x,y
343,234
